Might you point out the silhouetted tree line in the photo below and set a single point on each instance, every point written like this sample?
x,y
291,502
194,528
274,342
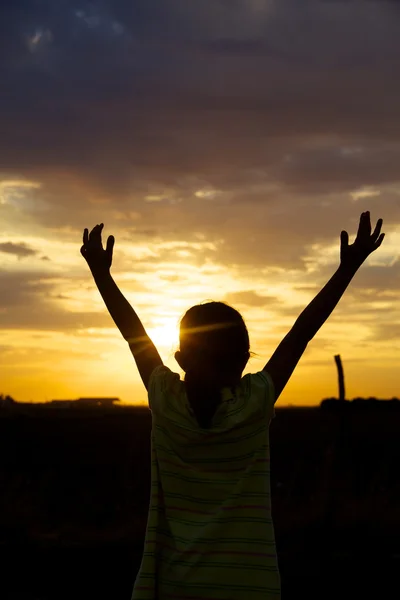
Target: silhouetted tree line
x,y
333,404
6,401
9,402
327,404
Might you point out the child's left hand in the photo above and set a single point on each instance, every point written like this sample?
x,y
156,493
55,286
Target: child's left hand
x,y
355,254
98,258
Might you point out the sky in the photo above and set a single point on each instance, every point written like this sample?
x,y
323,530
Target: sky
x,y
225,144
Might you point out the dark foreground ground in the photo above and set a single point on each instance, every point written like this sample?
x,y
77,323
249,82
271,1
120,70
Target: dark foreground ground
x,y
74,491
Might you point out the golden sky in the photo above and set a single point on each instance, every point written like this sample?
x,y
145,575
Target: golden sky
x,y
225,151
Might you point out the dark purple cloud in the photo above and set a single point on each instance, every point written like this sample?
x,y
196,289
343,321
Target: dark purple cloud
x,y
125,93
276,110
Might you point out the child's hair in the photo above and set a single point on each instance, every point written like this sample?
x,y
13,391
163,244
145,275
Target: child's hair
x,y
214,350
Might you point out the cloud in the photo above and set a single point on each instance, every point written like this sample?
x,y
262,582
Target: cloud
x,y
371,280
20,250
250,298
336,168
388,332
252,122
206,88
30,301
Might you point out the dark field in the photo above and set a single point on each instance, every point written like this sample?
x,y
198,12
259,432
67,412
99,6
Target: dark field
x,y
74,489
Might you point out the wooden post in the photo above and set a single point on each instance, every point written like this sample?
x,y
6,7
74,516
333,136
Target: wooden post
x,y
332,467
340,377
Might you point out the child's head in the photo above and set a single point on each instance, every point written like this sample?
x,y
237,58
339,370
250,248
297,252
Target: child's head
x,y
214,344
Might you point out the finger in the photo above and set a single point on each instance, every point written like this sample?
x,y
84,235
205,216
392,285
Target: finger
x,y
360,226
367,225
94,234
344,239
379,241
83,251
377,230
110,245
85,236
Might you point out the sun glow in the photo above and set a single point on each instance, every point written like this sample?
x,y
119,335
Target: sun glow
x,y
165,335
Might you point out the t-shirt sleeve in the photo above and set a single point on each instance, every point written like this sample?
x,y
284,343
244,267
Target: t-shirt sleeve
x,y
262,392
164,386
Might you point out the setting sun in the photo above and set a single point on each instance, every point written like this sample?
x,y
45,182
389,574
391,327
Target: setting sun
x,y
166,335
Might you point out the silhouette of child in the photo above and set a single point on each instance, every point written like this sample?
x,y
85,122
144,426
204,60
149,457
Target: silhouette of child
x,y
210,533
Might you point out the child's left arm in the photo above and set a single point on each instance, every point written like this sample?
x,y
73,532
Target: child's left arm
x,y
285,358
99,260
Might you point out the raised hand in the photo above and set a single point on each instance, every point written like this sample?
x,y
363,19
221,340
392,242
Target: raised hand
x,y
354,255
98,258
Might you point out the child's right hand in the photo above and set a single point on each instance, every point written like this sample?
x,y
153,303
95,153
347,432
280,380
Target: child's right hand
x,y
355,254
98,259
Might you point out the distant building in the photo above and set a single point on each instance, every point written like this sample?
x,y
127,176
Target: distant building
x,y
84,402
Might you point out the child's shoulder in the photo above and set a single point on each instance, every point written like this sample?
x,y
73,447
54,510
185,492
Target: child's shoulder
x,y
254,392
258,389
163,379
256,382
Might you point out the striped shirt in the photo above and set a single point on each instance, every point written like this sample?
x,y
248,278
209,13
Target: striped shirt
x,y
209,532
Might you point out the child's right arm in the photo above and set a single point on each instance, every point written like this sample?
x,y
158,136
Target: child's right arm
x,y
285,358
99,260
